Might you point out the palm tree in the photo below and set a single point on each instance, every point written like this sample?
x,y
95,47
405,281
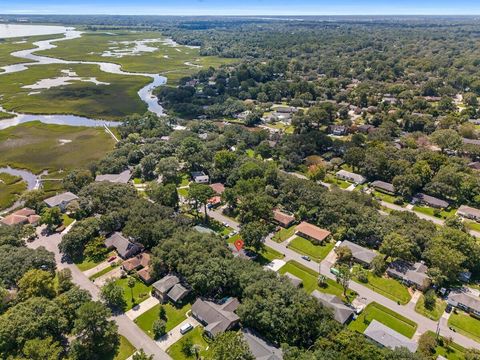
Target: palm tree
x,y
131,285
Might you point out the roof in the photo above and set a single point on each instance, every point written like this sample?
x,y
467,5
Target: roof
x,y
431,200
389,338
166,283
415,273
25,212
383,185
470,300
215,200
178,292
218,188
60,198
121,178
218,317
120,243
350,175
359,252
283,218
463,209
341,312
471,141
260,349
295,280
312,231
199,175
142,260
21,216
145,274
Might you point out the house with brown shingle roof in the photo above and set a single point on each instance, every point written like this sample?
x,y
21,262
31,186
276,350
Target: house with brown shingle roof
x,y
312,232
283,219
219,188
137,262
21,217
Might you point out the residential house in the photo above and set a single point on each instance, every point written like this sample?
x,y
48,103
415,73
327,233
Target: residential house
x,y
145,275
430,201
469,212
350,176
177,293
61,200
465,301
283,219
411,274
161,287
200,178
360,254
365,128
341,312
337,130
21,217
471,141
217,318
122,178
137,262
383,186
124,247
312,232
295,280
214,201
260,349
285,109
386,337
219,188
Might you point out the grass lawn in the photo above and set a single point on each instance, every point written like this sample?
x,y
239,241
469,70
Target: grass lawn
x,y
67,220
331,179
472,225
87,263
11,187
140,292
183,192
196,338
284,234
465,324
306,247
387,287
36,146
232,239
125,350
453,352
385,197
267,255
310,280
103,272
434,313
184,180
387,317
174,317
430,211
114,98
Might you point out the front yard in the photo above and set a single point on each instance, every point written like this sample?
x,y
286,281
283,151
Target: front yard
x,y
435,313
465,324
125,350
182,349
284,234
87,263
140,292
174,317
452,352
387,317
267,255
104,271
431,211
306,247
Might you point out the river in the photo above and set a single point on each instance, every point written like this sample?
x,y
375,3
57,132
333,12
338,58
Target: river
x,y
146,93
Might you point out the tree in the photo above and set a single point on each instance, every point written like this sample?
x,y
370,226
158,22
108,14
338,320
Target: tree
x,y
140,355
253,234
344,254
33,199
76,180
230,346
316,172
199,194
131,284
343,277
159,328
167,168
165,195
64,278
447,139
52,217
378,265
397,246
36,283
95,335
427,344
430,299
113,294
42,349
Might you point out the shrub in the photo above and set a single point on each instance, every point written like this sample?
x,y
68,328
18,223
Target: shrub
x,y
159,328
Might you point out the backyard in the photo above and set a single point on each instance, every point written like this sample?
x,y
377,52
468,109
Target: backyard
x,y
175,315
306,247
181,350
465,324
387,317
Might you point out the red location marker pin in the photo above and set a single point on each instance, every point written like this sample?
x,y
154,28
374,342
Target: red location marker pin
x,y
239,244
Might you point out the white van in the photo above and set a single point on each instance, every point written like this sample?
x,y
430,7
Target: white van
x,y
185,328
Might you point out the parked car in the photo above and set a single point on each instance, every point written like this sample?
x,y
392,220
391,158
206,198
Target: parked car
x,y
112,258
306,258
185,328
449,308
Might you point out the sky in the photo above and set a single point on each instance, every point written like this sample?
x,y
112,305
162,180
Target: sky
x,y
242,7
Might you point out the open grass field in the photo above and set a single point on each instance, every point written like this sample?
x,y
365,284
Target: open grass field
x,y
388,287
174,317
36,146
4,115
174,61
197,338
387,317
11,187
115,97
310,280
306,247
465,324
434,313
140,292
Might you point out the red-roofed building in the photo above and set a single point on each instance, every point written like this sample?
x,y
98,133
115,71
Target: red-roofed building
x,y
218,188
214,201
282,218
312,232
21,217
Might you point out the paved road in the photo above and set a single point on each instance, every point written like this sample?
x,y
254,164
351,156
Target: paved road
x,y
126,327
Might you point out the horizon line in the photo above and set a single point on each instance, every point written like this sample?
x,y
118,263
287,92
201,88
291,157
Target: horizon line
x,y
237,15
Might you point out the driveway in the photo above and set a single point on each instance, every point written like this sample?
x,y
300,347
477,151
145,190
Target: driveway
x,y
114,274
174,335
141,308
99,267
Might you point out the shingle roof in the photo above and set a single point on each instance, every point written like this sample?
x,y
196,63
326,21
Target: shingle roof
x,y
359,252
60,198
21,216
178,292
166,283
312,231
121,178
218,188
389,338
260,349
350,175
473,302
463,209
120,243
383,186
341,312
283,218
415,273
142,260
430,200
217,317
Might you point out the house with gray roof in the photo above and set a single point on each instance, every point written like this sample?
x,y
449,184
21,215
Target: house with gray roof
x,y
295,280
465,301
217,318
386,337
200,177
383,186
430,201
124,247
177,293
61,200
411,274
350,176
122,178
341,312
161,288
469,212
260,349
360,254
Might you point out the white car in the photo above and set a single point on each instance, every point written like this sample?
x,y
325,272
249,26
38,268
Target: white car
x,y
185,328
